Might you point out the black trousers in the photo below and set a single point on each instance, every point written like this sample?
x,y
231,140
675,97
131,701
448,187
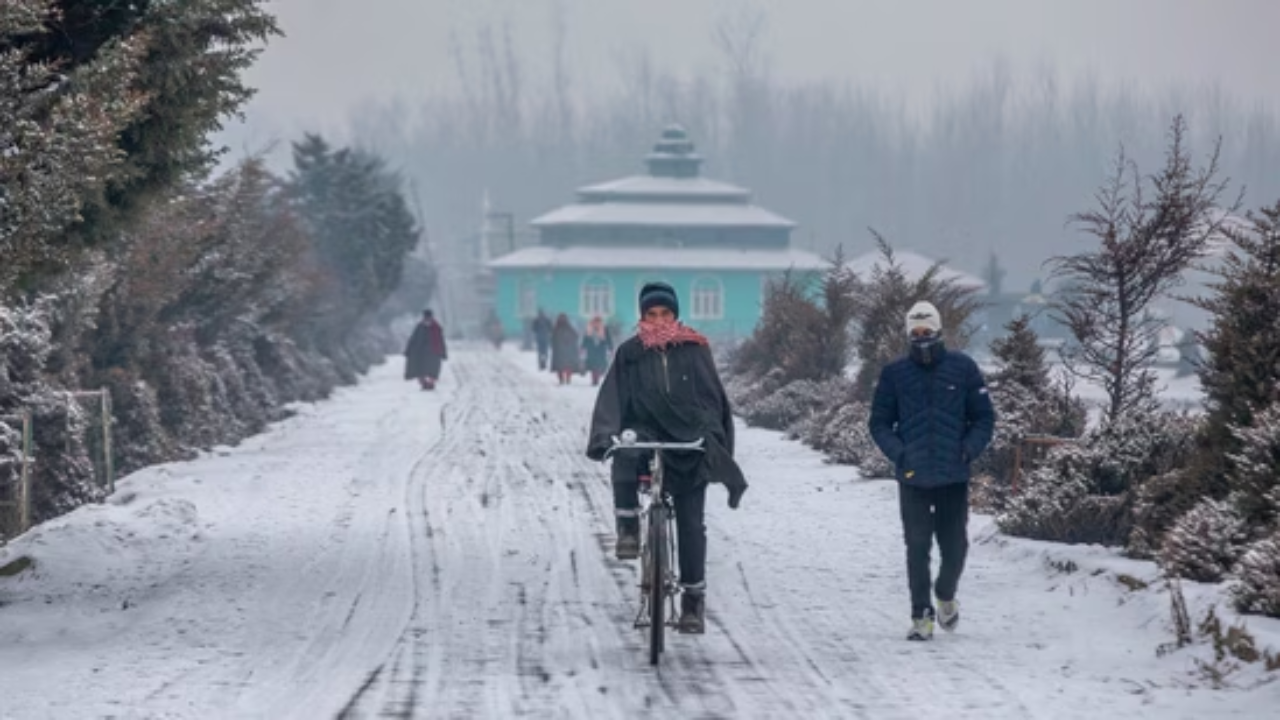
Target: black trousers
x,y
928,512
690,505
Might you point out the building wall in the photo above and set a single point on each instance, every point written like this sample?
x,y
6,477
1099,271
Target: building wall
x,y
557,291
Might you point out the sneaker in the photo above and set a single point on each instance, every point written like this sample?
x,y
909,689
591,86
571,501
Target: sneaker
x,y
692,610
948,615
628,547
922,627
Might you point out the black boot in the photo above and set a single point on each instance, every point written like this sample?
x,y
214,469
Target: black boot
x,y
693,607
628,547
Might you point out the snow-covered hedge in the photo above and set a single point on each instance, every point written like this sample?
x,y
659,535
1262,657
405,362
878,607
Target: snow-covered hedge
x,y
1204,543
1258,588
1084,491
64,476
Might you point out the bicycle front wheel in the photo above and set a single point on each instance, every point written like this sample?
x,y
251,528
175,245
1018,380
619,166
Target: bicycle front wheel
x,y
657,580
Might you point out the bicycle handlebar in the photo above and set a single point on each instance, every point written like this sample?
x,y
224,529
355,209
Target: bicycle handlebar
x,y
621,444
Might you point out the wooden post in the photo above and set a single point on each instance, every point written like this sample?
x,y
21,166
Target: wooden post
x,y
24,485
1017,466
108,463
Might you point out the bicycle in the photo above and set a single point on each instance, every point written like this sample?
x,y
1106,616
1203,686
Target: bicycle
x,y
659,585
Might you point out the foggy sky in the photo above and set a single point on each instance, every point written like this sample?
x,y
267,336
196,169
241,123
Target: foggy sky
x,y
341,54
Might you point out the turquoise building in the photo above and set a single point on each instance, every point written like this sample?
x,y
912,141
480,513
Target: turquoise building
x,y
706,238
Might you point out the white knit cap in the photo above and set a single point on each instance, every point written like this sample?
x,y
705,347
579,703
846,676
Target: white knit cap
x,y
924,315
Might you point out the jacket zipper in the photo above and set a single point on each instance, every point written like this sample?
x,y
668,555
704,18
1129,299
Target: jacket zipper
x,y
666,374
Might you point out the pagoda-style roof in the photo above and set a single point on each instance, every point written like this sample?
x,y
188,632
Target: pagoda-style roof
x,y
647,188
632,214
686,258
672,194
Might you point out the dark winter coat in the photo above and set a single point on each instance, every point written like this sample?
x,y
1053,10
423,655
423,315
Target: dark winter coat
x,y
542,331
932,420
669,396
564,349
597,351
425,351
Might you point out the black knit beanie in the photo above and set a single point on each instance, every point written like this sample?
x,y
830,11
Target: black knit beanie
x,y
656,294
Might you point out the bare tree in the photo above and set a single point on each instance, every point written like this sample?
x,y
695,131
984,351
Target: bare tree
x,y
739,35
1146,241
561,80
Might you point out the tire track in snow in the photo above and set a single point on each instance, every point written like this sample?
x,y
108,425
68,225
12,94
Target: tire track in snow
x,y
522,612
524,607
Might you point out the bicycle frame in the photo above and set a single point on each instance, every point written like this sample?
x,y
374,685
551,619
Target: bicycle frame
x,y
656,496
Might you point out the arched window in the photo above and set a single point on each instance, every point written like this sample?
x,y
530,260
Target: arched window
x,y
597,297
707,299
527,297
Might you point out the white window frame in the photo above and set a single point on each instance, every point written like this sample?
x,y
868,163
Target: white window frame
x,y
595,297
526,297
706,298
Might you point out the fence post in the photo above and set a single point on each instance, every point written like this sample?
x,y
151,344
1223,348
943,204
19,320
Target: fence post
x,y
1017,464
24,485
106,441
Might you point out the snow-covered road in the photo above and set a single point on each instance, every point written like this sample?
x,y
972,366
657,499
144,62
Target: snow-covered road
x,y
392,553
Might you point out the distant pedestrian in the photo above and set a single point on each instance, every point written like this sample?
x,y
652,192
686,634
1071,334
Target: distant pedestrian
x,y
597,346
425,352
493,330
542,338
564,350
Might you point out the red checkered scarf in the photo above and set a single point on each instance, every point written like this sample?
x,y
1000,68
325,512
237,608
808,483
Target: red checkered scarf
x,y
660,336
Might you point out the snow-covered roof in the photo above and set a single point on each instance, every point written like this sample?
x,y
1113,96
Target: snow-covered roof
x,y
646,258
647,186
915,266
663,215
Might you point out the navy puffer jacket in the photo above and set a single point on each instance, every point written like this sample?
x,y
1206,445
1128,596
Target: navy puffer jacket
x,y
932,420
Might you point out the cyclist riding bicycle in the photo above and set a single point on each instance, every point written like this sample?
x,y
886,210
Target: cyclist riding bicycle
x,y
663,383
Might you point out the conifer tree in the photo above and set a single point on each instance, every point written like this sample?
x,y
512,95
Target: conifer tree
x,y
1241,375
881,313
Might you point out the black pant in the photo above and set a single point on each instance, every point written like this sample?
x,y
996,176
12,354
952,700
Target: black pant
x,y
942,511
691,530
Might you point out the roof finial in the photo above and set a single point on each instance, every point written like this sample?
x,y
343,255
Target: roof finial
x,y
673,155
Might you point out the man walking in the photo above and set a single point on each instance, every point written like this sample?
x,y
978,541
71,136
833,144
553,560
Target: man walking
x,y
932,417
542,338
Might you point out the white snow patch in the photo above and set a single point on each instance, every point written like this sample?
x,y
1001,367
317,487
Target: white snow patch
x,y
448,554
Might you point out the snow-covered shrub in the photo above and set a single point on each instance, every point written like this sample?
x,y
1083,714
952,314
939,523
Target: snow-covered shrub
x,y
1049,494
1257,589
837,430
64,476
985,496
1087,489
1205,542
1139,445
1027,403
139,436
793,403
1254,475
1157,504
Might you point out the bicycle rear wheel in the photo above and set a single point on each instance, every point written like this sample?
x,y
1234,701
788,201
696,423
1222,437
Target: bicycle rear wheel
x,y
657,580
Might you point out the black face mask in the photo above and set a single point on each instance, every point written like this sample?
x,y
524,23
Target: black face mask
x,y
926,350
